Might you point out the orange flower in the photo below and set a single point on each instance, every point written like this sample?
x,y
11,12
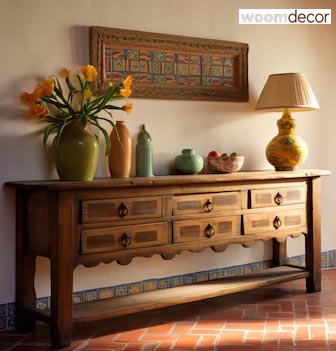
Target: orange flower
x,y
27,99
128,82
37,110
127,108
46,88
89,72
65,72
126,92
87,94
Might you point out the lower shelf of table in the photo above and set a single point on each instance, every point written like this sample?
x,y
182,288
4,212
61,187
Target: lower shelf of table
x,y
118,306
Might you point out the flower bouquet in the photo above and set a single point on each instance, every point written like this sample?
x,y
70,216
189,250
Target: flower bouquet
x,y
69,109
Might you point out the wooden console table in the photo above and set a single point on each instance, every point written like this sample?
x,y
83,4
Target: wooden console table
x,y
107,219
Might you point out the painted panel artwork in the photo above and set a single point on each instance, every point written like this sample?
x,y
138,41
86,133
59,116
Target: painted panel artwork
x,y
170,66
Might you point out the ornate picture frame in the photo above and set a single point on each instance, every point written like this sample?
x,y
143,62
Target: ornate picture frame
x,y
171,66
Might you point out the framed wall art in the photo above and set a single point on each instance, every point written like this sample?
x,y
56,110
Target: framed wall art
x,y
171,66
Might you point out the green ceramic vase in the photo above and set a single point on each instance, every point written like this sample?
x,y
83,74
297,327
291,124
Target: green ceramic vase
x,y
189,162
144,154
76,155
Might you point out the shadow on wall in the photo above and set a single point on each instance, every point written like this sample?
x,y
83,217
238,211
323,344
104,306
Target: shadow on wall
x,y
80,45
22,152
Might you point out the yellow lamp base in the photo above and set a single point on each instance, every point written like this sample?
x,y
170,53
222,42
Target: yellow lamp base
x,y
286,151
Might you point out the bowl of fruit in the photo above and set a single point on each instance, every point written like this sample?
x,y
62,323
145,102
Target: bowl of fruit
x,y
224,163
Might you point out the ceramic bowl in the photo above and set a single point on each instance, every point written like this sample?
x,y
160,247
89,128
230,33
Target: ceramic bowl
x,y
225,164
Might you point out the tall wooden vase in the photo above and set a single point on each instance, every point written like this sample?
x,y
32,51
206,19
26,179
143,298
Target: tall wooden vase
x,y
120,156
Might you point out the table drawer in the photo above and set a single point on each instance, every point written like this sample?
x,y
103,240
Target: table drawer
x,y
124,237
273,221
278,196
94,211
205,229
204,203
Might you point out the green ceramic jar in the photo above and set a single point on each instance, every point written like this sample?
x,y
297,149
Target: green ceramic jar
x,y
189,162
144,154
76,155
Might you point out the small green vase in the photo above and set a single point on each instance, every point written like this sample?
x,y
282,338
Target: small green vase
x,y
144,154
189,162
76,155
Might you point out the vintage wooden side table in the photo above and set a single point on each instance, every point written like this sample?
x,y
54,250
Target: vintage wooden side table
x,y
75,223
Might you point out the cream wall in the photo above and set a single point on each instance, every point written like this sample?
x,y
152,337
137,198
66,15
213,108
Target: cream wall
x,y
38,37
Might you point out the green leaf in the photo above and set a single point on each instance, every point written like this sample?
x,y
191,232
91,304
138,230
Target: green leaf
x,y
61,128
80,81
53,102
69,107
83,119
106,136
47,132
112,107
58,84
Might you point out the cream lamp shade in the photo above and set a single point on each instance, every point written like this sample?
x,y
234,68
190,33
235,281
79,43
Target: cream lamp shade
x,y
287,92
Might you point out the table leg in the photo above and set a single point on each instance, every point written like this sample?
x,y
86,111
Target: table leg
x,y
62,265
313,237
279,253
25,270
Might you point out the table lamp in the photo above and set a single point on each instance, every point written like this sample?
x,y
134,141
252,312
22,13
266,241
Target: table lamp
x,y
287,92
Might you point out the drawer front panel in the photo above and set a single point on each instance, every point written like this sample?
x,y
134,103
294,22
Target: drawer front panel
x,y
123,237
205,229
278,197
205,203
94,211
273,221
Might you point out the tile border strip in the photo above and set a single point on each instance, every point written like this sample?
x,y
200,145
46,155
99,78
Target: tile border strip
x,y
7,311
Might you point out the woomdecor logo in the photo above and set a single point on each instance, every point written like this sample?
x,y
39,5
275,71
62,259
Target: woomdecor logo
x,y
284,16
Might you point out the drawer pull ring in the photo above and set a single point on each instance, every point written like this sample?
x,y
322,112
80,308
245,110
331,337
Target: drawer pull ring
x,y
210,230
277,222
278,199
209,205
122,210
125,240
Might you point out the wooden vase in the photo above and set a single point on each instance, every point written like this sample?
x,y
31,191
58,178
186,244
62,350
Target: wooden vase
x,y
120,156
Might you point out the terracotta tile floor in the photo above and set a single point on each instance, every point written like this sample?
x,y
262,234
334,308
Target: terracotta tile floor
x,y
277,318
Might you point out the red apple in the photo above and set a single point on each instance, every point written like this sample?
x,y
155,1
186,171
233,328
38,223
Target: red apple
x,y
214,154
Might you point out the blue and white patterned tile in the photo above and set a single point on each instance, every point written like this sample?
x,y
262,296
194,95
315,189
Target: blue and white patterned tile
x,y
134,288
234,271
298,260
43,303
163,283
11,309
332,259
10,323
324,260
247,268
77,297
150,285
201,276
3,322
105,293
188,278
3,310
90,295
257,266
121,290
215,274
175,281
